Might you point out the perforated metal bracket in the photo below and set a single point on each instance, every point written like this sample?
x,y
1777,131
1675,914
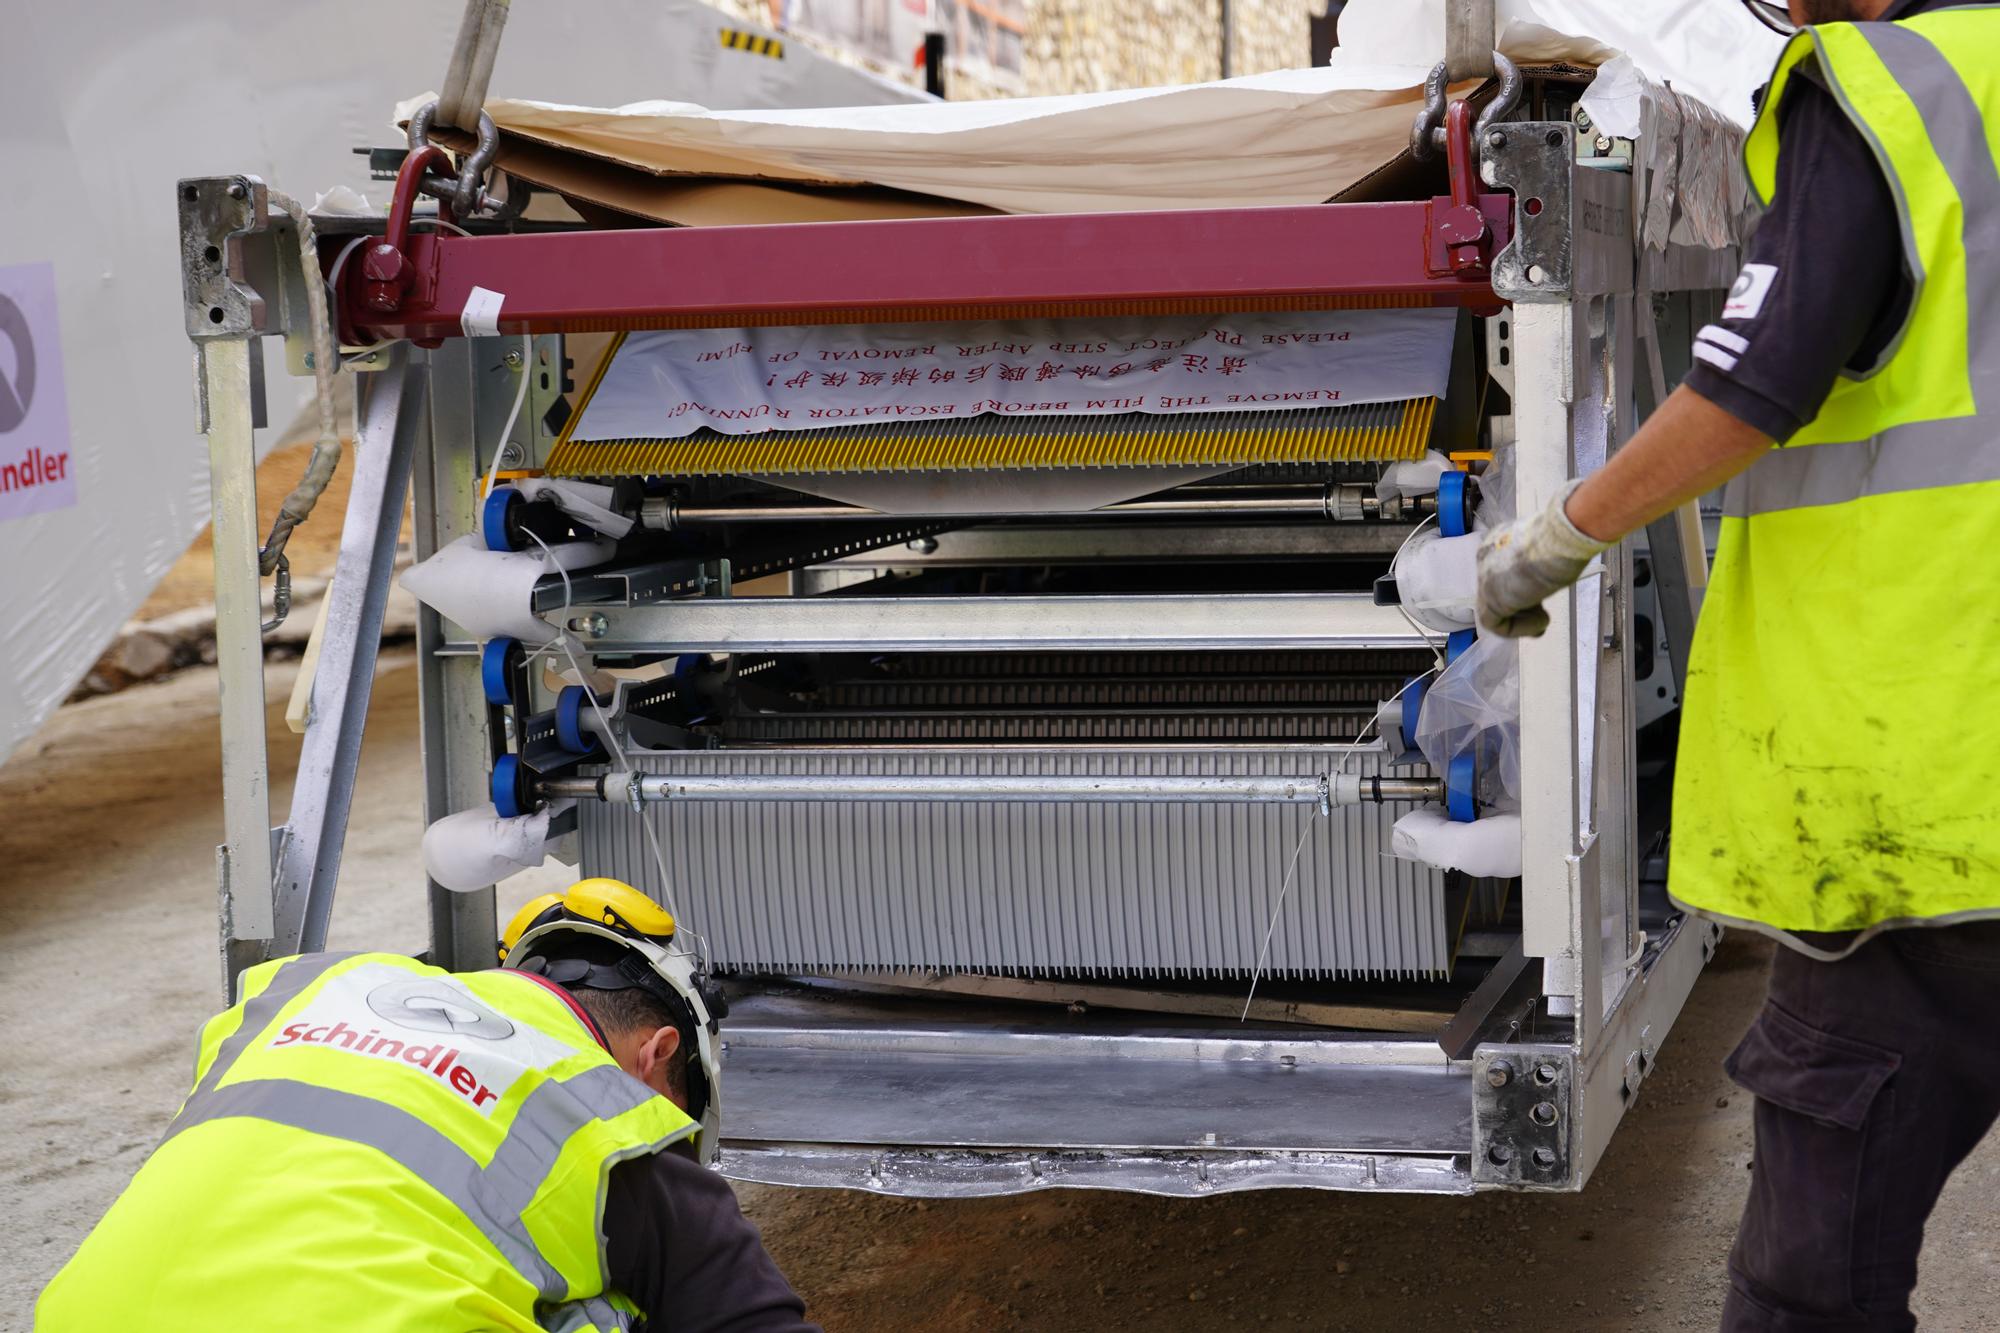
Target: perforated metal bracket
x,y
1523,1105
1534,160
216,288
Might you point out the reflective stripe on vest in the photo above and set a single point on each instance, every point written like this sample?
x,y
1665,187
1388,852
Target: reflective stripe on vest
x,y
594,1315
492,1197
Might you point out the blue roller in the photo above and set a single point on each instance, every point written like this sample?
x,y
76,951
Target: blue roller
x,y
1413,708
569,720
497,661
1454,502
493,517
1457,643
1458,780
507,794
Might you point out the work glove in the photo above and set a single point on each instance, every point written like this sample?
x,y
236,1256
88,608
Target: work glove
x,y
1521,564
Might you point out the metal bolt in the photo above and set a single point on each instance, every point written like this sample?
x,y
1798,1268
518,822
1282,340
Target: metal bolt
x,y
1544,1113
1583,120
1545,1073
923,545
1536,273
309,360
593,625
1499,1074
1288,1061
1545,1157
1496,140
1603,143
513,359
238,190
1499,1154
510,455
1555,138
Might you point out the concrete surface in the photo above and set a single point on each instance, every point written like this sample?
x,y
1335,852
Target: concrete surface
x,y
107,898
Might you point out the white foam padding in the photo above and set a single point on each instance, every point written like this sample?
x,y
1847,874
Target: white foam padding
x,y
1437,580
475,848
489,593
1412,476
1486,847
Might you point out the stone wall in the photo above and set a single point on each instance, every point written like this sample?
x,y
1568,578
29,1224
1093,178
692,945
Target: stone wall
x,y
1076,46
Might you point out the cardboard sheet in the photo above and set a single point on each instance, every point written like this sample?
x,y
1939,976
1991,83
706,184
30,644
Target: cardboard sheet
x,y
1290,137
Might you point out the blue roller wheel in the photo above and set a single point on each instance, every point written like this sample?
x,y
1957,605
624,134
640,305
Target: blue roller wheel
x,y
1459,777
569,720
493,516
510,795
497,661
1413,709
1454,502
1457,643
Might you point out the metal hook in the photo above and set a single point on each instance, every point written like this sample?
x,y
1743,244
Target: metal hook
x,y
1427,135
1424,135
1504,101
281,595
468,196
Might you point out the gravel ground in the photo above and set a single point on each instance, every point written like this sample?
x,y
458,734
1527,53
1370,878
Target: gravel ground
x,y
107,907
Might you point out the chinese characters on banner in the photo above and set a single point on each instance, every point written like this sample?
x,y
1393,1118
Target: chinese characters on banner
x,y
671,382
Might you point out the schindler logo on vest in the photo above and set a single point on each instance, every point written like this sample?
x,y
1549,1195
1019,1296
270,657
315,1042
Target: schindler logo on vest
x,y
429,1024
438,1059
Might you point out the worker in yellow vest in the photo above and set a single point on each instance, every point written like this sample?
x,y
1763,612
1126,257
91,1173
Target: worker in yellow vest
x,y
372,1143
1840,744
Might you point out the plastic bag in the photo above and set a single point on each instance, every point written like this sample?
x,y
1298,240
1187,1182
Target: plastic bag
x,y
1474,707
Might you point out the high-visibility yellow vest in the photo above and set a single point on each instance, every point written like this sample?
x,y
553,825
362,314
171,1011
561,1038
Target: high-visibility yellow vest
x,y
373,1143
1839,763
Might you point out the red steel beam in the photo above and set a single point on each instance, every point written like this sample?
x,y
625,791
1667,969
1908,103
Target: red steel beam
x,y
1197,261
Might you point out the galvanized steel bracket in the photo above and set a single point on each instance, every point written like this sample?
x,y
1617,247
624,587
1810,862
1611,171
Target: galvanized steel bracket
x,y
1523,1106
217,295
1533,159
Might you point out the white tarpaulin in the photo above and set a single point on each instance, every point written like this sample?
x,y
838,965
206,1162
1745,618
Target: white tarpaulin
x,y
669,383
101,110
1292,137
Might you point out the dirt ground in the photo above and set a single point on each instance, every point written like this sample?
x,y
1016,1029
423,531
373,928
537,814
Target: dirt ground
x,y
107,913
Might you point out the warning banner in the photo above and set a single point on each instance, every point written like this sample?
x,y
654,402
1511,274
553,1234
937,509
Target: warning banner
x,y
668,383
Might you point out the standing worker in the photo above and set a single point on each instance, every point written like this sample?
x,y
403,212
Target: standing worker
x,y
1839,749
374,1143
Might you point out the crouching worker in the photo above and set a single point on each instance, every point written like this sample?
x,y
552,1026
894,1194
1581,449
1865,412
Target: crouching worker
x,y
374,1143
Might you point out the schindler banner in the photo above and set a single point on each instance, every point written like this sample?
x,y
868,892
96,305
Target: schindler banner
x,y
35,474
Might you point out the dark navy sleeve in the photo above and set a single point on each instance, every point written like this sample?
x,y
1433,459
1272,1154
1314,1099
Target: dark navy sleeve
x,y
1824,287
680,1248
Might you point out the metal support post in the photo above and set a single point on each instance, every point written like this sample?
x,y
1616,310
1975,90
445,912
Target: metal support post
x,y
1559,892
244,859
389,422
452,710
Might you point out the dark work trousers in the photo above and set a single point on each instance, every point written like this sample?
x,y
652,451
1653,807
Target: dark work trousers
x,y
1874,1077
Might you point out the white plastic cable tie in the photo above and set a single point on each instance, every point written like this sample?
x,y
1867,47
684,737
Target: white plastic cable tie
x,y
481,316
